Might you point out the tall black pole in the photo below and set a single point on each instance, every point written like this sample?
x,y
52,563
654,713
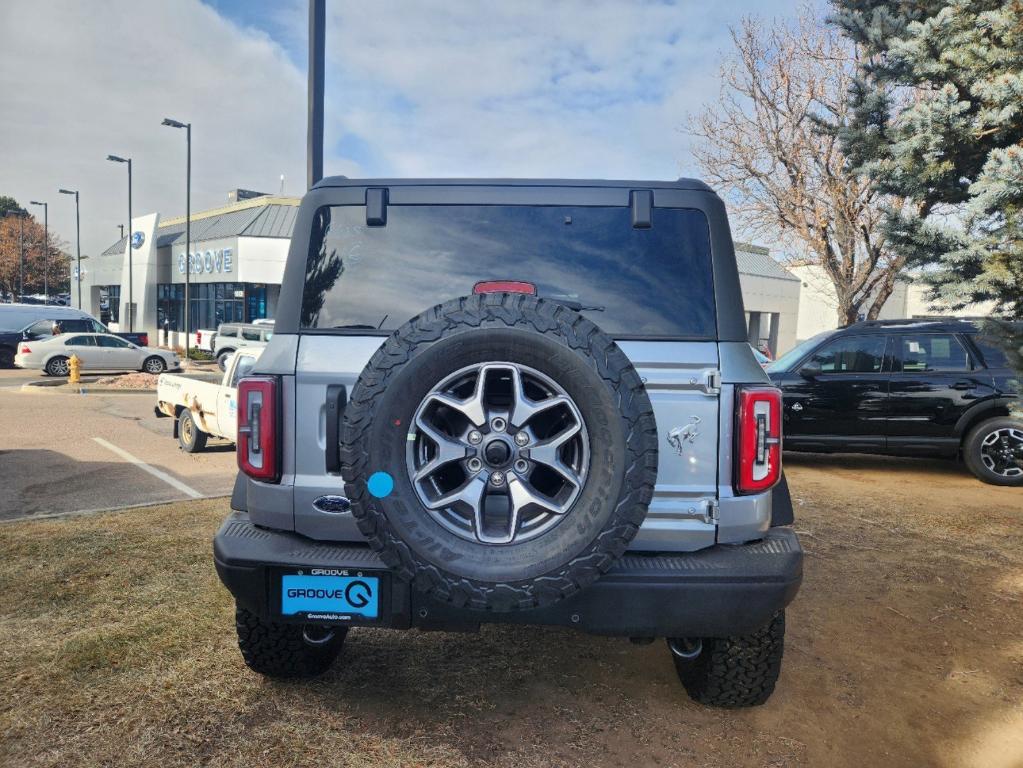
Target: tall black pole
x,y
78,248
46,253
131,277
317,22
188,235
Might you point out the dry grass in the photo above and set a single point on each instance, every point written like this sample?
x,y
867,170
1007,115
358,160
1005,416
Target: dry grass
x,y
117,650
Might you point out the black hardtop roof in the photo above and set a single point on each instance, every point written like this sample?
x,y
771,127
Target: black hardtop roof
x,y
682,183
925,324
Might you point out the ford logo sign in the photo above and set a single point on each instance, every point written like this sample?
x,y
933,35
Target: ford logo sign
x,y
137,239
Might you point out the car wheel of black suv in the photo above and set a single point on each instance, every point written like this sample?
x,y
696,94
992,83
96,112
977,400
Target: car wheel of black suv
x,y
190,437
499,452
993,451
6,357
732,672
287,650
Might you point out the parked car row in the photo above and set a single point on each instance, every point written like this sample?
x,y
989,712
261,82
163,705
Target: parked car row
x,y
36,322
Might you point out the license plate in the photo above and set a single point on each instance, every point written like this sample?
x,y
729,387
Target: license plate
x,y
330,598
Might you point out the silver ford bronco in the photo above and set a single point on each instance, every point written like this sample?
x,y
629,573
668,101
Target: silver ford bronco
x,y
513,401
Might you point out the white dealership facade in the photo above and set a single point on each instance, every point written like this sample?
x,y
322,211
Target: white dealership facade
x,y
235,263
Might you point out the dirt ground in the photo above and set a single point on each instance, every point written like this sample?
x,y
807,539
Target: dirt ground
x,y
904,649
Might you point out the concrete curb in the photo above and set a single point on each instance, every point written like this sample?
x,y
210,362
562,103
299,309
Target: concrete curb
x,y
99,511
60,388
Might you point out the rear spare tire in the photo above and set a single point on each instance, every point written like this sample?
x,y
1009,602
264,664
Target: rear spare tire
x,y
499,452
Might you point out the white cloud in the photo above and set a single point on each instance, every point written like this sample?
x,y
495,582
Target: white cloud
x,y
84,80
530,88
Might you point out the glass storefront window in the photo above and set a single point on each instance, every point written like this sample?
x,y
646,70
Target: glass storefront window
x,y
211,305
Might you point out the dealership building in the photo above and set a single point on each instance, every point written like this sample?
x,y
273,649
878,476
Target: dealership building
x,y
236,263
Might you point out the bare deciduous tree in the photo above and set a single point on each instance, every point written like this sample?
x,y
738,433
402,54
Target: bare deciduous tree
x,y
765,145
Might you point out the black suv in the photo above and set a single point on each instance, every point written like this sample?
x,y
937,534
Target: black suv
x,y
906,388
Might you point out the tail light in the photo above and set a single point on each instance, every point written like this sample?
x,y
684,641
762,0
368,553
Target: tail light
x,y
504,286
198,338
144,340
757,439
25,350
258,424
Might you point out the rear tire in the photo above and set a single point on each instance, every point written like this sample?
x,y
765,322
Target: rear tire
x,y
993,451
58,366
6,357
734,672
190,437
282,650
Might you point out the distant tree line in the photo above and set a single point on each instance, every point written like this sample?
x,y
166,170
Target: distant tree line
x,y
19,226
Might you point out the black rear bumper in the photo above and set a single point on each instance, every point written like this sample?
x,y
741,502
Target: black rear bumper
x,y
719,591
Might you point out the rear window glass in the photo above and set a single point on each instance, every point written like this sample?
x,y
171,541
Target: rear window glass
x,y
992,350
631,282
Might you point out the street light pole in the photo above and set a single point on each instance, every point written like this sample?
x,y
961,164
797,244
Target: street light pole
x,y
131,277
188,223
78,240
314,128
46,248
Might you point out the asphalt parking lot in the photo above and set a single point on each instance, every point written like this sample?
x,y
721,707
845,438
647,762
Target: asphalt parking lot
x,y
63,453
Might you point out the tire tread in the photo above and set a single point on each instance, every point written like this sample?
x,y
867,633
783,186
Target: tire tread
x,y
278,650
733,672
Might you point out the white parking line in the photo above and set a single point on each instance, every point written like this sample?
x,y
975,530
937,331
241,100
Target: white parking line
x,y
171,481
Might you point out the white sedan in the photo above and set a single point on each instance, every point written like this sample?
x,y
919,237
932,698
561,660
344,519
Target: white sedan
x,y
97,351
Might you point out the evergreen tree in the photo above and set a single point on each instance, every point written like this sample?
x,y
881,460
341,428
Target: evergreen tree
x,y
938,119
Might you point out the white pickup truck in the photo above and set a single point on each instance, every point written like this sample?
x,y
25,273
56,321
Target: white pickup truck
x,y
204,408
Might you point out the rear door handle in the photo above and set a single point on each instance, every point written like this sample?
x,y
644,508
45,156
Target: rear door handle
x,y
961,385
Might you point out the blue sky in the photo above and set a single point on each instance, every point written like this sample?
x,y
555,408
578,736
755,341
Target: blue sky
x,y
530,88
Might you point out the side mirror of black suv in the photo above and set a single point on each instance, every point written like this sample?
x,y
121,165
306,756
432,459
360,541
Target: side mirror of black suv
x,y
810,371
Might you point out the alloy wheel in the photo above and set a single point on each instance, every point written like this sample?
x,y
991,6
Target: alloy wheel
x,y
497,453
1001,450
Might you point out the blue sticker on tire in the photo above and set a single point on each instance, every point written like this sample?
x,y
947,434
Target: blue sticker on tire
x,y
380,484
328,597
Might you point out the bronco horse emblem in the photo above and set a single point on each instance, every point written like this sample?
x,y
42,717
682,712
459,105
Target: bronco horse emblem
x,y
686,434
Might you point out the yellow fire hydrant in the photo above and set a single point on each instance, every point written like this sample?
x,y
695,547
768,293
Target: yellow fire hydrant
x,y
76,367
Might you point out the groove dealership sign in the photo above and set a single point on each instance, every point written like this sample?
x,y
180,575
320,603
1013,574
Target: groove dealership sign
x,y
219,261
